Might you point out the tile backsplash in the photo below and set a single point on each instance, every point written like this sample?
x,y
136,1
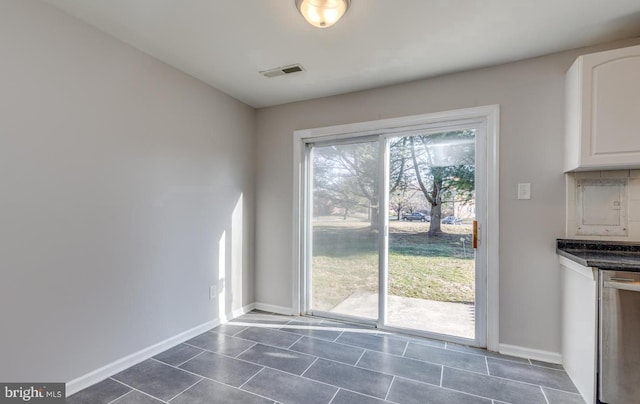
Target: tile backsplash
x,y
603,205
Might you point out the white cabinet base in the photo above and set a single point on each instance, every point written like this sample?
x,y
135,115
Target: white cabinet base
x,y
579,326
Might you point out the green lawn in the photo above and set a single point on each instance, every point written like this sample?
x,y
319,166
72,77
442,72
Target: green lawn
x,y
435,268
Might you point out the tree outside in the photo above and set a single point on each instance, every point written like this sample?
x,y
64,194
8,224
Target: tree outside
x,y
440,166
345,181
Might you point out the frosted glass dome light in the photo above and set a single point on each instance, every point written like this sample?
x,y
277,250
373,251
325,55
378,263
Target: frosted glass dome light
x,y
322,13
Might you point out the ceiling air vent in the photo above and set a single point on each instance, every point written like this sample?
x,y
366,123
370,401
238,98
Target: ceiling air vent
x,y
281,71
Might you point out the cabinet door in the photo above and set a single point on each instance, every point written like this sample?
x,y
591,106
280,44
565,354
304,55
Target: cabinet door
x,y
579,327
611,109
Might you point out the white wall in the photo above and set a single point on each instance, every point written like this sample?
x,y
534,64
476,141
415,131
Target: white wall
x,y
531,98
119,176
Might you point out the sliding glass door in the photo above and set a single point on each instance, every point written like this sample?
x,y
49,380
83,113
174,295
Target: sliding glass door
x,y
390,230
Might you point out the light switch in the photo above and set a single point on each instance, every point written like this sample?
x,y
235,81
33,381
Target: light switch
x,y
524,191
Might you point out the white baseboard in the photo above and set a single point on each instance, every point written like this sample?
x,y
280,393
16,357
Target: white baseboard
x,y
287,311
237,313
529,353
121,364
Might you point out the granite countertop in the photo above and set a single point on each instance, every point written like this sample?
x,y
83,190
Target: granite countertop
x,y
601,254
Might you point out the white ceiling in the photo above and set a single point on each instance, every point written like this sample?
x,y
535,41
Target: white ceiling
x,y
225,43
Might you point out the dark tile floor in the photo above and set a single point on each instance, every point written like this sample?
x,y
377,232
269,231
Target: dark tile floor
x,y
267,358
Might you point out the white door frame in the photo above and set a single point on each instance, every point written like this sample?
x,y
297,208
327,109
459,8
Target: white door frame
x,y
488,241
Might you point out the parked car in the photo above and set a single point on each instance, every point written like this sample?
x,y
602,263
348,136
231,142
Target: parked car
x,y
415,216
451,220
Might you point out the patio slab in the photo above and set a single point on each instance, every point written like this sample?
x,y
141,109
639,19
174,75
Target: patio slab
x,y
426,315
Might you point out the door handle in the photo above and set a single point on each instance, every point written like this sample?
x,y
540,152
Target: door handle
x,y
633,287
474,243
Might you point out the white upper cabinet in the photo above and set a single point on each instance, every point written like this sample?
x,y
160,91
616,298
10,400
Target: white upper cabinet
x,y
603,111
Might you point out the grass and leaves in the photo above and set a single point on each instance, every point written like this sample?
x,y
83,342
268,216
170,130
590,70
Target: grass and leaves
x,y
345,260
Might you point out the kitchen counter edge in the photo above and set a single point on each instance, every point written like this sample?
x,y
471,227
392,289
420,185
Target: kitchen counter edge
x,y
608,255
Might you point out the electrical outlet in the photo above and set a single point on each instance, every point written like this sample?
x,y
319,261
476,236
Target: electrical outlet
x,y
524,191
213,291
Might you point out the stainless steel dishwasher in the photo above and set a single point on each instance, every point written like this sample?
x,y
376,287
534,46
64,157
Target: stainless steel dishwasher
x,y
619,337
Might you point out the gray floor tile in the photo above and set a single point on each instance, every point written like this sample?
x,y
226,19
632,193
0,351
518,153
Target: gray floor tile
x,y
561,397
531,374
399,366
417,340
337,326
229,329
410,392
382,367
158,379
135,397
460,360
374,342
356,379
289,389
178,354
484,352
220,343
272,323
349,397
260,318
312,330
222,368
306,320
329,350
268,336
492,387
285,360
345,326
208,392
547,364
100,393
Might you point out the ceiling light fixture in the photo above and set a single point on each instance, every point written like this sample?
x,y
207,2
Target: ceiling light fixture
x,y
322,13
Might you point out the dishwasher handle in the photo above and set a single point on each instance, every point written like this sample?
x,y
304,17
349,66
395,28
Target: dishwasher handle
x,y
633,287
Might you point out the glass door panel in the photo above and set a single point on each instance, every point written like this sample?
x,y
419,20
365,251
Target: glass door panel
x,y
344,230
431,260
